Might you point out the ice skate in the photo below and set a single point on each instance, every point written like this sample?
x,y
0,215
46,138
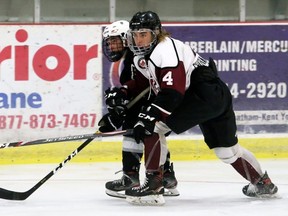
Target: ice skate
x,y
264,188
117,187
170,182
150,193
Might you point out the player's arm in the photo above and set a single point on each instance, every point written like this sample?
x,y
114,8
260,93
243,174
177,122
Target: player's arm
x,y
136,86
128,71
172,84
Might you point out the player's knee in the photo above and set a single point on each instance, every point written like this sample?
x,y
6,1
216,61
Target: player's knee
x,y
161,128
129,144
228,154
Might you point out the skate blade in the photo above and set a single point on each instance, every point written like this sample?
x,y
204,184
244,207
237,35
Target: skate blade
x,y
152,200
275,195
171,192
269,196
115,194
167,193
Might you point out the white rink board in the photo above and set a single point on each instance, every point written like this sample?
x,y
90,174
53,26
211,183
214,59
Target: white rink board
x,y
51,80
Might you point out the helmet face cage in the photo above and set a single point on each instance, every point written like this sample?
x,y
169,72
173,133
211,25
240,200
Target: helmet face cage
x,y
141,50
113,55
143,21
116,29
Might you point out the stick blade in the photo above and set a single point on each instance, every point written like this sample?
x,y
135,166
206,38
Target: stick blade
x,y
12,195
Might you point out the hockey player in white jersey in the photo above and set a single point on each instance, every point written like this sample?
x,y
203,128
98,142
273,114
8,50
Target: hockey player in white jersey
x,y
188,92
115,48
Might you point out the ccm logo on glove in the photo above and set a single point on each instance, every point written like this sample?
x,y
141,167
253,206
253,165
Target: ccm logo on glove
x,y
146,123
146,117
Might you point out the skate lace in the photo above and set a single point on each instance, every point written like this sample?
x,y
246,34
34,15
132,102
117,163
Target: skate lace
x,y
262,186
118,171
252,188
145,184
121,180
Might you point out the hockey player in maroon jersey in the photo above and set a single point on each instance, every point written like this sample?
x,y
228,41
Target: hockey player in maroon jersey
x,y
115,48
188,92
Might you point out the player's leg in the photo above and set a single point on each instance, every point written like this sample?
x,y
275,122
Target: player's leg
x,y
152,190
131,159
169,179
245,163
220,135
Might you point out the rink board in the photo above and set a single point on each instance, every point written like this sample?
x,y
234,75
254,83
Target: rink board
x,y
101,151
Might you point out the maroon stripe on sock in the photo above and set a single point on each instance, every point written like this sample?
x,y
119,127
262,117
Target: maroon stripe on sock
x,y
245,169
152,152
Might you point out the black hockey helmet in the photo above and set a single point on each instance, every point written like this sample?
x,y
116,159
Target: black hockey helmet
x,y
146,20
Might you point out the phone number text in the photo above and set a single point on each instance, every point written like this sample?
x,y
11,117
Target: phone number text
x,y
48,121
259,90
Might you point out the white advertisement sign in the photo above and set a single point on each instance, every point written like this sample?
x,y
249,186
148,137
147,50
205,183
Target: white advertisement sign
x,y
51,80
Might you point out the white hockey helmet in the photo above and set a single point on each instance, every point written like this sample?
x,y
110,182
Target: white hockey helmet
x,y
118,28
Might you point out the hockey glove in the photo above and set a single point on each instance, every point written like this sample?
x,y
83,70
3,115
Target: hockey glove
x,y
116,101
110,123
146,123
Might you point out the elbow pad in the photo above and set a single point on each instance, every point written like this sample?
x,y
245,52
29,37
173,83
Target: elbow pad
x,y
168,99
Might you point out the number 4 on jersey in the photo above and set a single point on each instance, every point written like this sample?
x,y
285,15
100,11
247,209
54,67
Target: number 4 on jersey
x,y
168,78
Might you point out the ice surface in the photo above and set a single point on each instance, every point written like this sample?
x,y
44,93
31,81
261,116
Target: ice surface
x,y
208,188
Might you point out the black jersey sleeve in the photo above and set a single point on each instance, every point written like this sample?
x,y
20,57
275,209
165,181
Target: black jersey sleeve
x,y
128,71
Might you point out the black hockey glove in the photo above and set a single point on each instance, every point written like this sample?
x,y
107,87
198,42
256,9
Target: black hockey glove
x,y
116,101
110,123
146,123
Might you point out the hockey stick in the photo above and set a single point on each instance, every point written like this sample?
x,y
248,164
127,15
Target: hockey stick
x,y
67,138
50,140
137,98
14,195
